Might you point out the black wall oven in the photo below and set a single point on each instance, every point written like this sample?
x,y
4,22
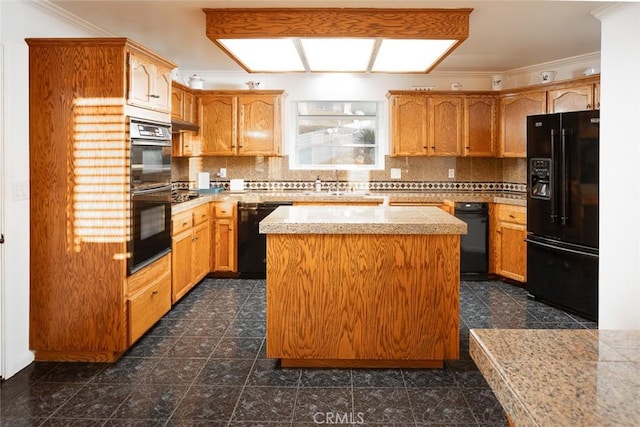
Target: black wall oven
x,y
150,192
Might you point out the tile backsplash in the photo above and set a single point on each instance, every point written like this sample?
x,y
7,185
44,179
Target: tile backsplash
x,y
418,173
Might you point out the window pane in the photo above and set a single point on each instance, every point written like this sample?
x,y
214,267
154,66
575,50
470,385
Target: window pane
x,y
332,133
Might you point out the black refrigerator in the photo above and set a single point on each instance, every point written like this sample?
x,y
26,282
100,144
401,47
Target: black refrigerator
x,y
562,210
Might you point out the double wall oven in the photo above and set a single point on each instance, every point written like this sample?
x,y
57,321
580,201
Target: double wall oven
x,y
150,192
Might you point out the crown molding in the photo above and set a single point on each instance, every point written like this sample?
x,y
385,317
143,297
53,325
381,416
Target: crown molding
x,y
57,12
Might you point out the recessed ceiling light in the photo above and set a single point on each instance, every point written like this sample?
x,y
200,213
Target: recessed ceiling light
x,y
267,55
410,56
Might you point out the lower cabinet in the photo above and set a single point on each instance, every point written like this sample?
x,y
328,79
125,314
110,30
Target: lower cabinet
x,y
149,297
507,234
447,206
224,248
191,246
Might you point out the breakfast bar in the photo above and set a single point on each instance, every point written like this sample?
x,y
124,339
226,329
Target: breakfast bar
x,y
362,286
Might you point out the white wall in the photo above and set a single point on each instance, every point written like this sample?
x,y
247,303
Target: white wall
x,y
619,305
19,20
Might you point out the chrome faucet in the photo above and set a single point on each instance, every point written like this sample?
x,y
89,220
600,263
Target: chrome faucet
x,y
335,188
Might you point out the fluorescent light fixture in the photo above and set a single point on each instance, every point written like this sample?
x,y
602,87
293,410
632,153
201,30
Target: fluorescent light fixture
x,y
338,55
397,56
268,55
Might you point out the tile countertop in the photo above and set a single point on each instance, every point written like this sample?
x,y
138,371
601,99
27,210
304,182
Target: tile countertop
x,y
383,197
562,377
361,220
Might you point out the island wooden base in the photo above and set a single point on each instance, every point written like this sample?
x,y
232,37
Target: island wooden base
x,y
348,299
342,363
77,356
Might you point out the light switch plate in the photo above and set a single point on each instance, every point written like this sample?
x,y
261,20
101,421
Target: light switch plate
x,y
452,173
223,173
396,173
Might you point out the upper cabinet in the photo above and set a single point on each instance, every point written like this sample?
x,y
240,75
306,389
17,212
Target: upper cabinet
x,y
241,123
443,124
514,109
575,98
409,125
183,106
149,82
480,125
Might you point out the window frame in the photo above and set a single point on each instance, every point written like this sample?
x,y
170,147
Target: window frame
x,y
378,146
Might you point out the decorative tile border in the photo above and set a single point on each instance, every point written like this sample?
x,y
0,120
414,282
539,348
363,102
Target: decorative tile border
x,y
402,186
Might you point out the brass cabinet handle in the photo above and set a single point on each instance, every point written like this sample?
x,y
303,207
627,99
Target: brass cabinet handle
x,y
154,292
154,96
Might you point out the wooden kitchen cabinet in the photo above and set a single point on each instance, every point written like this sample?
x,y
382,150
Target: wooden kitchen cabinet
x,y
446,205
149,82
183,104
514,109
83,304
445,126
480,125
241,123
191,247
573,98
507,234
409,125
149,297
224,248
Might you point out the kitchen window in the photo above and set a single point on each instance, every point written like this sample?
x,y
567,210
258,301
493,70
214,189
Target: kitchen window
x,y
336,135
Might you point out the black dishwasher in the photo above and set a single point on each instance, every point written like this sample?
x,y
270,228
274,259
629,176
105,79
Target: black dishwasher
x,y
252,246
474,258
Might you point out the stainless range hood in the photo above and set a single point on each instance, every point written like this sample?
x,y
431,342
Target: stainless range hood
x,y
178,126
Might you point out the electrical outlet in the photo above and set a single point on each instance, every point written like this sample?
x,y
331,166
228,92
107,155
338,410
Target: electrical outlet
x,y
452,173
396,173
223,173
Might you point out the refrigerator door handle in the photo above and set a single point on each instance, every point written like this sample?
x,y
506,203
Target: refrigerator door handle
x,y
554,194
556,248
564,197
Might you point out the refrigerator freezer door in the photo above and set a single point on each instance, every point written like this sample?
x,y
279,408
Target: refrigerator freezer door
x,y
543,139
580,188
563,275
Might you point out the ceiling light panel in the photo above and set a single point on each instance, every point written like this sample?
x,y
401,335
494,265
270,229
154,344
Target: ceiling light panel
x,y
265,55
410,56
338,55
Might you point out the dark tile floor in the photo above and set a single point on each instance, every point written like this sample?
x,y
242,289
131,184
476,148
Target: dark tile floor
x,y
204,364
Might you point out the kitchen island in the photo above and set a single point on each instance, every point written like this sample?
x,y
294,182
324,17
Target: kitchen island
x,y
362,286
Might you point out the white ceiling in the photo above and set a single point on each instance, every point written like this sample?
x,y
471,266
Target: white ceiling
x,y
503,35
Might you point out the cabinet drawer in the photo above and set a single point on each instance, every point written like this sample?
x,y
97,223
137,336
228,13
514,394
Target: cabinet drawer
x,y
514,214
224,210
148,306
148,274
181,222
201,214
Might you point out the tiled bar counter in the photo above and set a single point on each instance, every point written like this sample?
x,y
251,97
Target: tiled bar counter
x,y
562,377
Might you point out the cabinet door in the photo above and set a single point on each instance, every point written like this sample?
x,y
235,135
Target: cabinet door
x,y
161,97
225,257
218,122
513,251
140,80
409,126
445,126
480,126
188,107
596,96
570,99
177,102
181,265
200,258
514,110
259,125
